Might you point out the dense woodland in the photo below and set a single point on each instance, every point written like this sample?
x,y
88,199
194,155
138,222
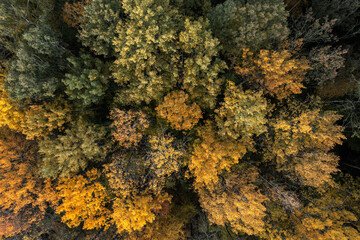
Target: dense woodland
x,y
179,119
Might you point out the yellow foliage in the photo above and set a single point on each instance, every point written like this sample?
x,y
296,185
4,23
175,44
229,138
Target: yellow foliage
x,y
163,160
276,72
133,213
301,145
213,155
10,114
240,204
174,109
41,120
83,200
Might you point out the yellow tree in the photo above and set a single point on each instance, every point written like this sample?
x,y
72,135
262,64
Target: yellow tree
x,y
83,200
163,160
10,114
226,187
300,143
212,155
180,114
41,120
133,213
277,73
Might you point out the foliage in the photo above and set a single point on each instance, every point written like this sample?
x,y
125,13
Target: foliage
x,y
128,127
134,213
83,200
212,155
325,63
300,145
276,72
42,120
180,115
17,16
163,160
71,153
10,114
87,81
21,199
73,12
238,203
157,49
242,114
243,24
35,71
97,28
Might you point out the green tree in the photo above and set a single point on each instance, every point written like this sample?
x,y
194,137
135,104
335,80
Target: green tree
x,y
98,23
157,49
36,70
249,24
242,114
87,81
71,152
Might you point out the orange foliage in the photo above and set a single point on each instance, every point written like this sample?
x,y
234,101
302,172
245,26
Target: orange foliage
x,y
276,72
182,116
213,155
128,127
73,12
83,200
133,213
23,196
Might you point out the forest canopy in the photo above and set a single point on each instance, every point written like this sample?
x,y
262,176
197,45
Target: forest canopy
x,y
179,119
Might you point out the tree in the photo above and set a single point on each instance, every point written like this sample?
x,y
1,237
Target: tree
x,y
83,201
22,202
212,155
98,23
128,127
177,112
163,160
17,16
237,202
88,80
42,120
10,114
71,153
253,25
276,72
72,13
242,114
132,214
36,70
157,49
300,143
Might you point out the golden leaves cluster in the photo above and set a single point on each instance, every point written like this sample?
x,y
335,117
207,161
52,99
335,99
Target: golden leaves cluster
x,y
177,112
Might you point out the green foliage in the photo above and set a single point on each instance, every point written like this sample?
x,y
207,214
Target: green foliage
x,y
88,80
97,28
158,49
17,16
36,69
242,114
249,24
72,152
